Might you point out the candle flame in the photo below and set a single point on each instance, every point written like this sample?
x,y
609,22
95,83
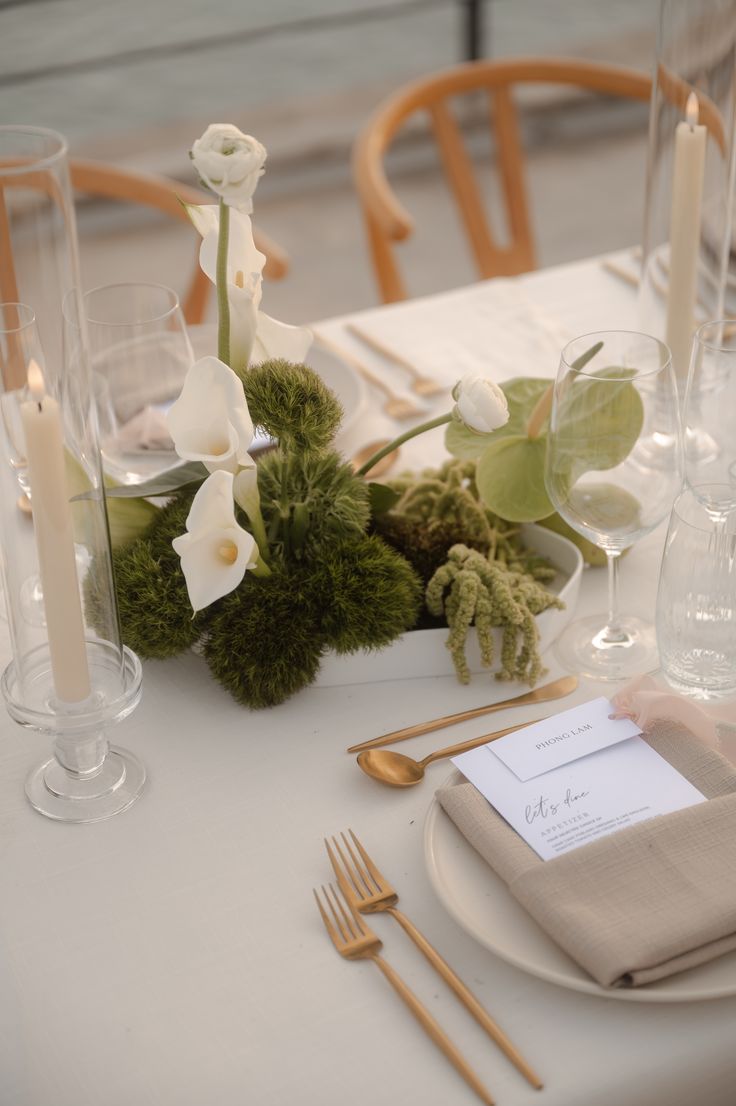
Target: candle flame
x,y
692,109
36,384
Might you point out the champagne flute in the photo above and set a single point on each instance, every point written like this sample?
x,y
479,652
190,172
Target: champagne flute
x,y
613,468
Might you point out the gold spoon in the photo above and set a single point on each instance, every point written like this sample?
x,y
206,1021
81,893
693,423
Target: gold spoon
x,y
557,689
380,467
399,770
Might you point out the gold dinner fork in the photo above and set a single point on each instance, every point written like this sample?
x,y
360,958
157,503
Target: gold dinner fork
x,y
354,940
368,891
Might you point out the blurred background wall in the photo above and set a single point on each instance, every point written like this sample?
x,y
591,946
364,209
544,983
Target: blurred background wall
x,y
136,82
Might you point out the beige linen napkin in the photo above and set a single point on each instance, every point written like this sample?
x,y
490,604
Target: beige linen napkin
x,y
640,904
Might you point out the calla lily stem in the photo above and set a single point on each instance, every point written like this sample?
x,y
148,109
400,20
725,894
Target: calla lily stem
x,y
261,569
255,518
223,305
415,431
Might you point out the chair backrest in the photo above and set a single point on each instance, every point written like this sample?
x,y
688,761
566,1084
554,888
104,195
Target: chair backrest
x,y
99,179
387,221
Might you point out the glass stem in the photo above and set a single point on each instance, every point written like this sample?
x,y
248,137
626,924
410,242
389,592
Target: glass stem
x,y
613,632
81,754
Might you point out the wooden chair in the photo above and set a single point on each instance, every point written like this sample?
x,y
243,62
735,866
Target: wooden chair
x,y
99,179
388,222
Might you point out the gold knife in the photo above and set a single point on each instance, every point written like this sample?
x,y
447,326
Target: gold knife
x,y
565,685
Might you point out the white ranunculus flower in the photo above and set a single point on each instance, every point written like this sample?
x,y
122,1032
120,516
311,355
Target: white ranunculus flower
x,y
480,404
215,552
210,421
230,163
254,336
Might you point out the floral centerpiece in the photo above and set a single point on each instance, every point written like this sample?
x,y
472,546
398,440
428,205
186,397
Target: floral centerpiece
x,y
266,565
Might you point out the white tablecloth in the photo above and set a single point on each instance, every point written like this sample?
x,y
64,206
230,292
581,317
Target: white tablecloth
x,y
173,956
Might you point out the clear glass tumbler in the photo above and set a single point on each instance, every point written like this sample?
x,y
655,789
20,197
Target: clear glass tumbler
x,y
696,601
709,411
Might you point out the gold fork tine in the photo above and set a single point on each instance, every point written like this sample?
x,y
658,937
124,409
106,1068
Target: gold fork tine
x,y
346,876
352,924
328,924
367,878
377,877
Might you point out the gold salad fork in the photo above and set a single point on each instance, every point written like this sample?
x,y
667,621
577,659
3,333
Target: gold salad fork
x,y
369,892
354,940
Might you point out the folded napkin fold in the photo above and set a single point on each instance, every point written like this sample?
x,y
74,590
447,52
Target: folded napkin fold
x,y
641,904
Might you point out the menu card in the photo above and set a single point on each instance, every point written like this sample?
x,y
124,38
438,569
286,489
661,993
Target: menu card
x,y
574,777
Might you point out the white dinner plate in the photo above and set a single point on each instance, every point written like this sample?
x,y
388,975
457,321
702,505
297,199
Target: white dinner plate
x,y
480,902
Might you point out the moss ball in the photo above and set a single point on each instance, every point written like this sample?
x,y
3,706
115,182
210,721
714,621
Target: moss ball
x,y
263,642
370,595
292,404
327,502
156,617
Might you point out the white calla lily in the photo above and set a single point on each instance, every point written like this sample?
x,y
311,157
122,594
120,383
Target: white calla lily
x,y
210,421
215,552
254,336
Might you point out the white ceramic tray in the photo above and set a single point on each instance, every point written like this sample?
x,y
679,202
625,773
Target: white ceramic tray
x,y
423,652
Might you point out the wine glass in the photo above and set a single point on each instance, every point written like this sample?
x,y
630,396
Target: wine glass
x,y
708,416
613,467
139,355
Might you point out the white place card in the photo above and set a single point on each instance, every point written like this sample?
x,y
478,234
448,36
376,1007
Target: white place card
x,y
592,795
563,737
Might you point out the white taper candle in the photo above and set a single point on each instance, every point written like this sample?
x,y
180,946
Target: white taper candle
x,y
685,217
52,521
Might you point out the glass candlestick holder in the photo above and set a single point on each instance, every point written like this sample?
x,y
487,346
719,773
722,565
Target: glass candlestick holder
x,y
87,779
70,676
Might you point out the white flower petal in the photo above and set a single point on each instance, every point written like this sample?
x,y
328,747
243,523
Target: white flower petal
x,y
275,339
230,163
215,552
204,217
245,487
212,507
210,420
242,255
480,403
243,321
208,573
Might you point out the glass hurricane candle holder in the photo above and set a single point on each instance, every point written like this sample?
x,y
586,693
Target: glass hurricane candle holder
x,y
689,188
70,676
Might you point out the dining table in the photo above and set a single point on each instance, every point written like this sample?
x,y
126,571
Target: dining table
x,y
174,956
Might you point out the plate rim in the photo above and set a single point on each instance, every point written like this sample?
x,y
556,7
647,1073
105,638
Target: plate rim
x,y
646,993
